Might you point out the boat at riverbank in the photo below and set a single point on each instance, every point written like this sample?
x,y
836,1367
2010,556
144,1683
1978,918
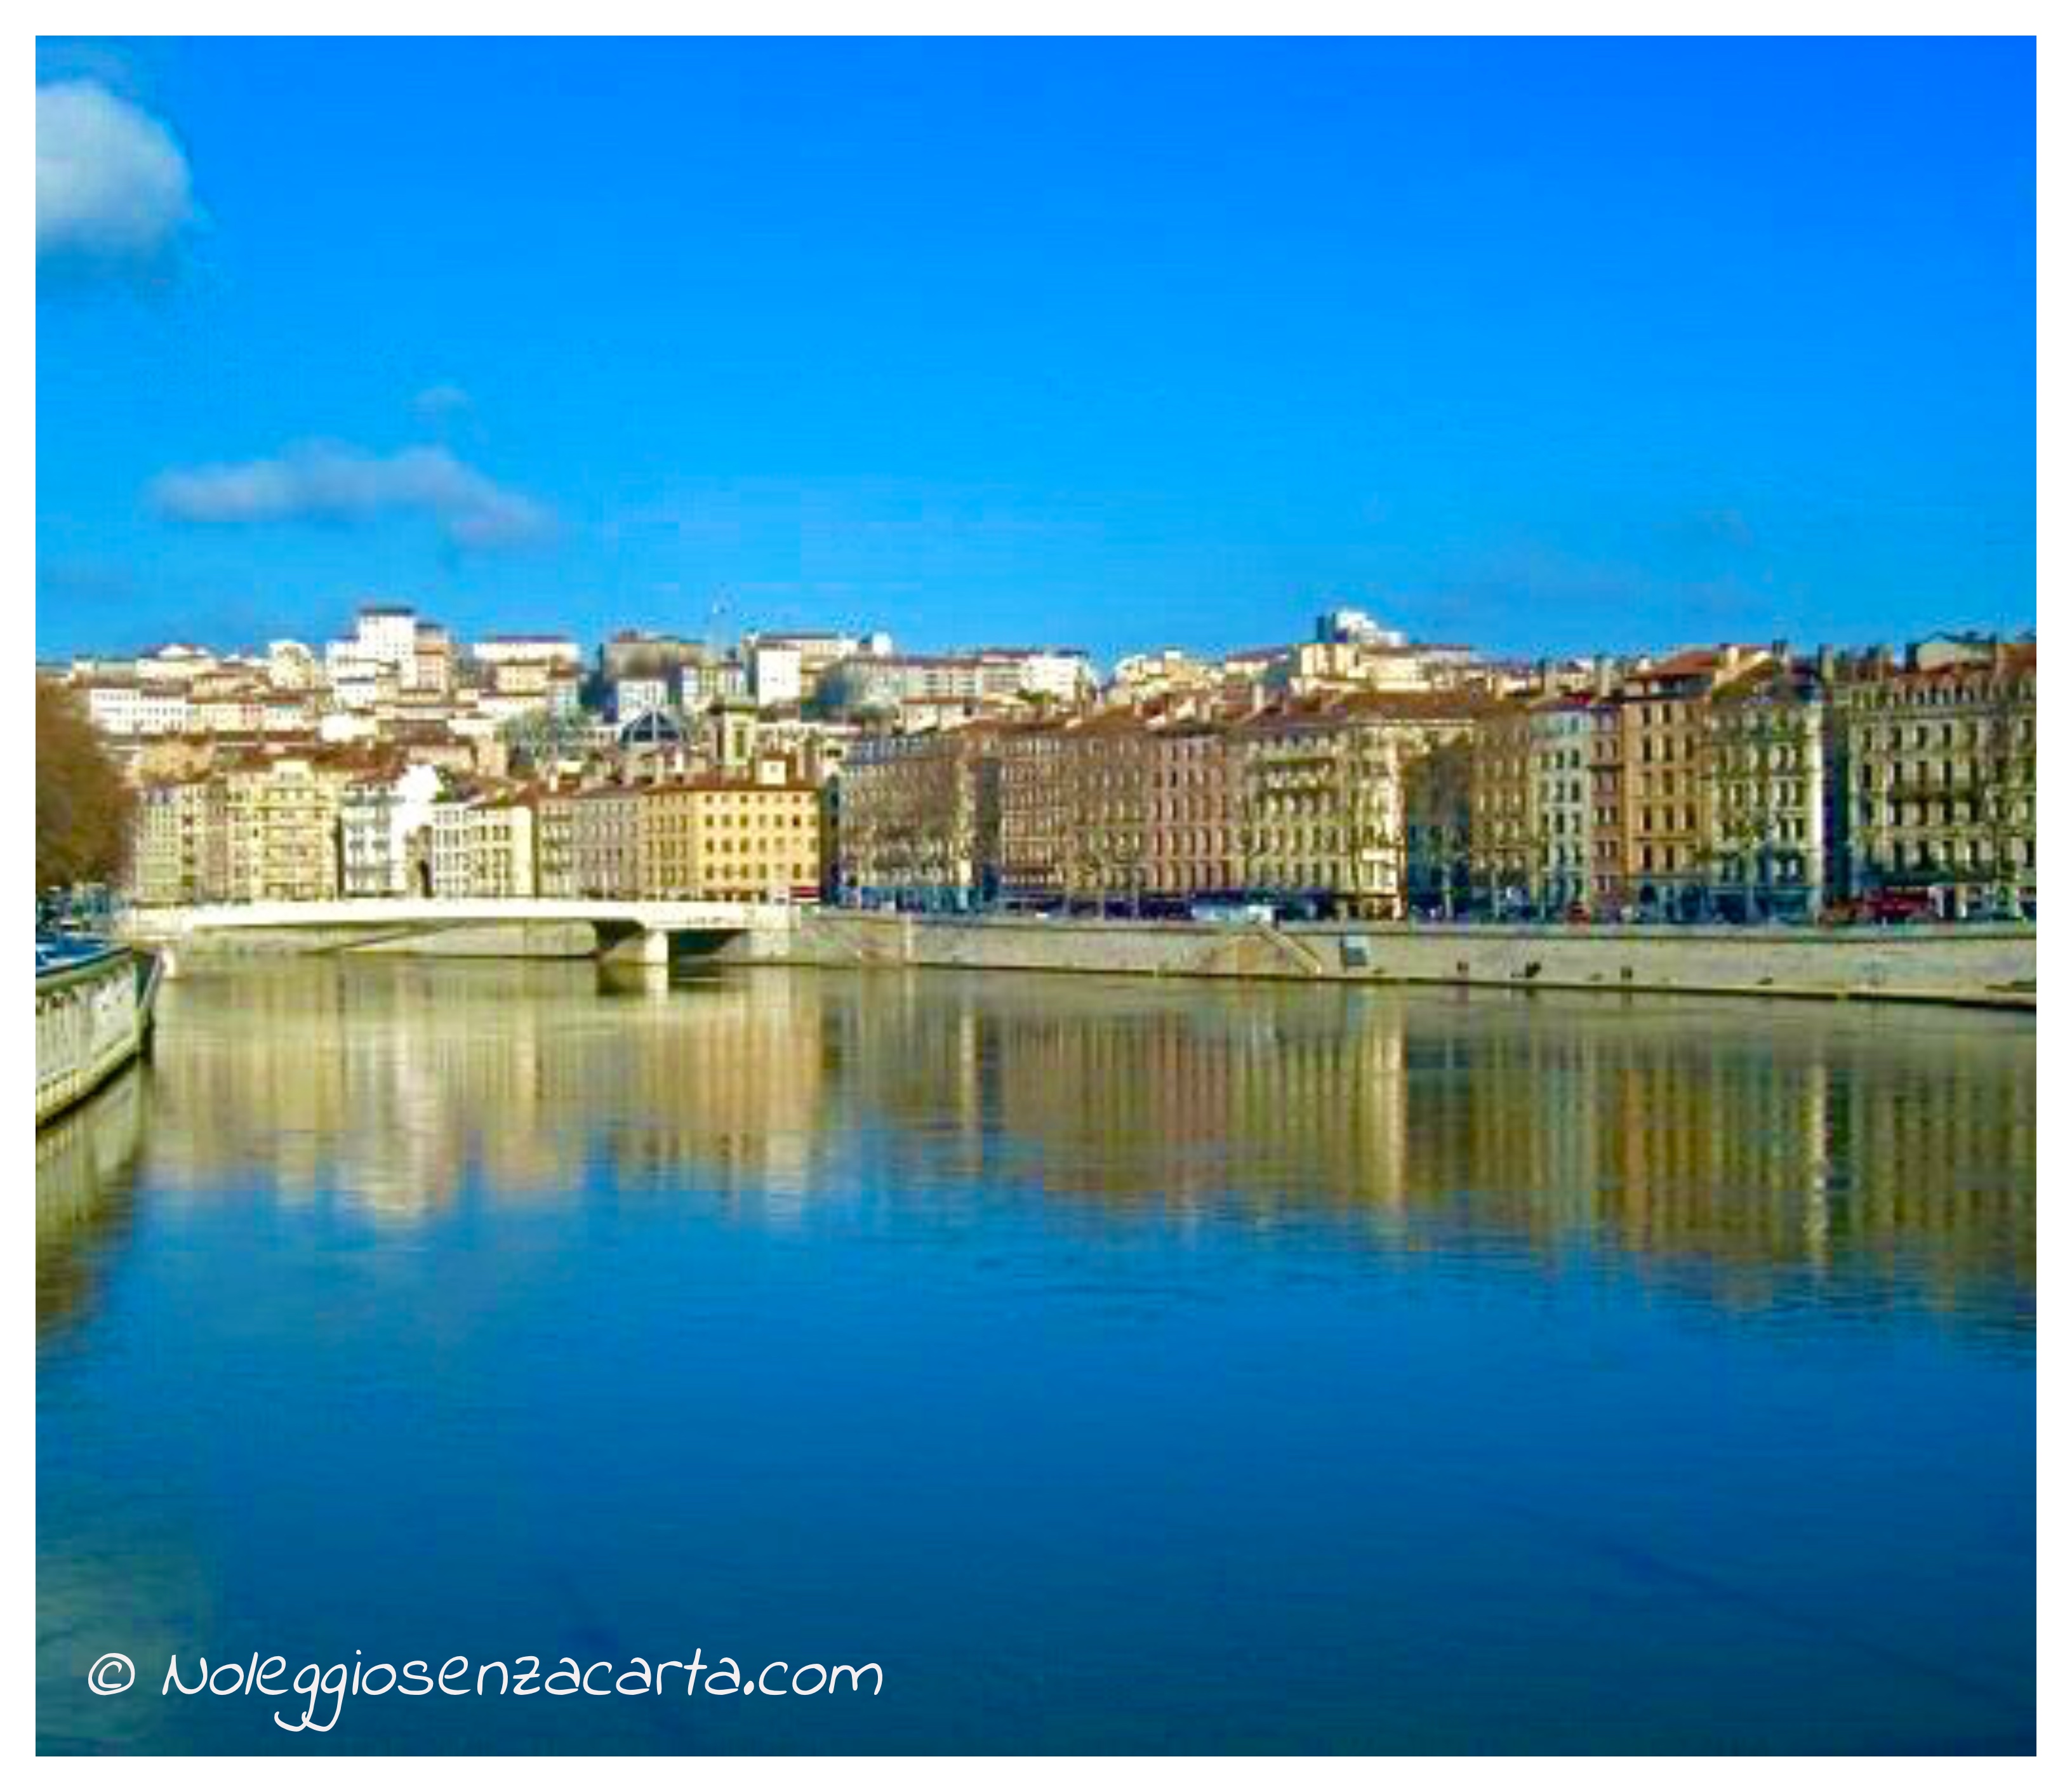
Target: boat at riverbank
x,y
94,1006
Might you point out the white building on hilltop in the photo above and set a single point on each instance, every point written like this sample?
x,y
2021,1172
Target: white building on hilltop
x,y
1356,627
392,640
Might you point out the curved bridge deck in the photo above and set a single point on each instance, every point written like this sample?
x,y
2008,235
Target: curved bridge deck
x,y
637,928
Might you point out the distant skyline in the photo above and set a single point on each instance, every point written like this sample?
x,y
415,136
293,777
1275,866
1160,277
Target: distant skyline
x,y
1549,346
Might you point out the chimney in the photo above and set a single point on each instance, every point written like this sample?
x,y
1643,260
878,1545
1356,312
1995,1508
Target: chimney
x,y
1780,651
1600,675
1825,661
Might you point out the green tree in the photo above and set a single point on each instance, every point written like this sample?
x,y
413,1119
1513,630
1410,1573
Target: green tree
x,y
539,737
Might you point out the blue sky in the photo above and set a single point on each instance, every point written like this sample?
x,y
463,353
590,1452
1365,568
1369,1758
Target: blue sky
x,y
1543,346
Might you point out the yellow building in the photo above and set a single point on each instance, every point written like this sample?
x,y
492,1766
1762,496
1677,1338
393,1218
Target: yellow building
x,y
178,835
719,839
280,832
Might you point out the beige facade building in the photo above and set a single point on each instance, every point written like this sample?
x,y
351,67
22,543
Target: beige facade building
x,y
178,841
1504,849
280,832
1934,777
1107,766
715,839
1766,796
482,847
920,817
1037,804
590,842
1322,797
1191,841
1667,828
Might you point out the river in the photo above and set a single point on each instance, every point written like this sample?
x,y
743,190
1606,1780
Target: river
x,y
1119,1366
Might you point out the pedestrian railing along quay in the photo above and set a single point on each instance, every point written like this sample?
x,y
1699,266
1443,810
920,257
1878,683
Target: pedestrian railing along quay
x,y
94,1007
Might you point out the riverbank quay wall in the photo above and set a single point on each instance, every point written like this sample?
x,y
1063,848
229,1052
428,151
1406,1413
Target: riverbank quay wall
x,y
93,1018
1991,966
1986,965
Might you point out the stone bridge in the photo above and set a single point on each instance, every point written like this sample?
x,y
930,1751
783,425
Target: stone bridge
x,y
626,930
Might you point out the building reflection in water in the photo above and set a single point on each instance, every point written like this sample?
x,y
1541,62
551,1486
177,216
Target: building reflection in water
x,y
86,1169
1751,1148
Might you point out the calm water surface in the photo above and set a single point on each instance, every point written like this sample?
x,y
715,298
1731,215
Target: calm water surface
x,y
1121,1367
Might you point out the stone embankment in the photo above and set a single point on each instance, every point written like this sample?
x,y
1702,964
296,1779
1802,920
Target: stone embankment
x,y
1993,966
1988,965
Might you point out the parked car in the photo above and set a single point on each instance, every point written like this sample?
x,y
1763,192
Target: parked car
x,y
1233,914
1881,908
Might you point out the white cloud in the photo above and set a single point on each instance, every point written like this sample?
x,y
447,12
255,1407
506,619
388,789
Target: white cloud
x,y
443,399
110,181
329,482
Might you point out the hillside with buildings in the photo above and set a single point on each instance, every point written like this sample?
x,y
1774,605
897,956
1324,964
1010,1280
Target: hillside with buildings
x,y
1355,773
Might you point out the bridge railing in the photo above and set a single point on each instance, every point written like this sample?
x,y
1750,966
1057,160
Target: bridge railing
x,y
653,911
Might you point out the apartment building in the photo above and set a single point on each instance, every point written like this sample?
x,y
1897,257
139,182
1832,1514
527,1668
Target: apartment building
x,y
1321,798
482,847
589,841
1192,844
124,707
177,843
1037,811
1504,847
721,839
384,823
920,818
1560,729
1934,777
1002,677
280,838
1666,826
1766,767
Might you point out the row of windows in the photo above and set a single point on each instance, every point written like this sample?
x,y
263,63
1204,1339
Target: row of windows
x,y
1929,855
1938,696
1667,818
1783,759
1945,772
1736,798
1923,814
